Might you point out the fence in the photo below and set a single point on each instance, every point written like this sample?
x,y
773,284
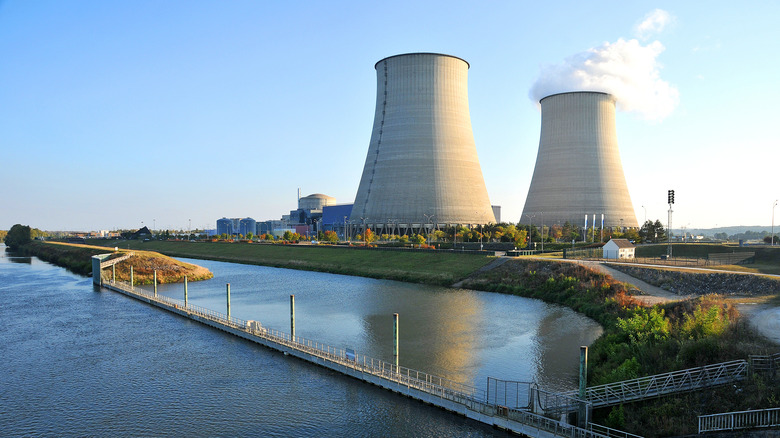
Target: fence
x,y
509,393
765,364
739,420
716,259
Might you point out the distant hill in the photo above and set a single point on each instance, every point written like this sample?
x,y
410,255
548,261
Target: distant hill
x,y
740,229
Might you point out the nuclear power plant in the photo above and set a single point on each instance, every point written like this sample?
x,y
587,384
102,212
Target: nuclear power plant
x,y
578,169
422,168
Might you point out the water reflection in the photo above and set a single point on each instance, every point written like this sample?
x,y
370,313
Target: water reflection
x,y
435,332
459,334
15,257
557,352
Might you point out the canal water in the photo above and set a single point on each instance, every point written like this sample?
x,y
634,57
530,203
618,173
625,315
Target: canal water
x,y
77,361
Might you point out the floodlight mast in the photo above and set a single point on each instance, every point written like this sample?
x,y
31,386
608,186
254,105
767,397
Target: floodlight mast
x,y
670,199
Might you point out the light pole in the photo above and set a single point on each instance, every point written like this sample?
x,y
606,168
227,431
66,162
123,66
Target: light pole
x,y
773,222
365,241
428,218
189,231
345,228
670,199
530,222
542,238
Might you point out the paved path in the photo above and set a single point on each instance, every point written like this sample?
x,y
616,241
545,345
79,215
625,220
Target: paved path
x,y
649,294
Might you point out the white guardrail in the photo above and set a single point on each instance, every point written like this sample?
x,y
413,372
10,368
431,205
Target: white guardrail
x,y
739,420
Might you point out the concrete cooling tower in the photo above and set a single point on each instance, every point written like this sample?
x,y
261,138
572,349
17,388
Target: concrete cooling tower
x,y
422,165
578,169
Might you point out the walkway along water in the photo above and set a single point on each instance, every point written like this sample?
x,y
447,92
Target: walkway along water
x,y
452,396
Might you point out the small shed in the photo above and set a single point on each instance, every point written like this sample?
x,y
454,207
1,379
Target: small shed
x,y
619,249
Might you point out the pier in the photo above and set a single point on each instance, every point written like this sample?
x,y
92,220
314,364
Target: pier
x,y
455,397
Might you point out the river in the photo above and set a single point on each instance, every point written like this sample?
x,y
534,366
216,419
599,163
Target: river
x,y
79,361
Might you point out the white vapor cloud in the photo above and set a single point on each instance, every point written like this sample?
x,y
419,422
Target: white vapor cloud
x,y
627,69
653,23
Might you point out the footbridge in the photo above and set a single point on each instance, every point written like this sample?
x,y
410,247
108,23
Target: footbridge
x,y
675,382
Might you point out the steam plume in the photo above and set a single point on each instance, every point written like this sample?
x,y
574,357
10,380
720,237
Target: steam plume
x,y
626,69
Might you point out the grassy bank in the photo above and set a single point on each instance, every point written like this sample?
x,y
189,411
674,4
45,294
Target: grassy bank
x,y
78,259
427,267
639,341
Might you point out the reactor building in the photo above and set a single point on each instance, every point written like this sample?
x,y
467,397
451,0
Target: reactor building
x,y
422,168
578,170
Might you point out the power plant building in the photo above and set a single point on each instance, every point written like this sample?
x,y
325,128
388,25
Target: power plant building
x,y
247,225
422,168
578,170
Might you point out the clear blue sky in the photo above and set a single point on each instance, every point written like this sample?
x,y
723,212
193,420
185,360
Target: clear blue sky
x,y
114,113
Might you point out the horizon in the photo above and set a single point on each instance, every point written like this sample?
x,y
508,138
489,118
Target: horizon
x,y
119,115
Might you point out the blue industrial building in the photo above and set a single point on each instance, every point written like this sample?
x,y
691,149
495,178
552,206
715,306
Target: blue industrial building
x,y
336,218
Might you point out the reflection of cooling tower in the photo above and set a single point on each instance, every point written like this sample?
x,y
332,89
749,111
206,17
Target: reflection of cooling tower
x,y
422,160
578,169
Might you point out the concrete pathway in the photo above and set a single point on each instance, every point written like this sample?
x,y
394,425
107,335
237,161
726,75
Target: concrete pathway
x,y
649,294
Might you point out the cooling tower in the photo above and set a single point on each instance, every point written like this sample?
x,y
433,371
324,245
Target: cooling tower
x,y
422,165
578,169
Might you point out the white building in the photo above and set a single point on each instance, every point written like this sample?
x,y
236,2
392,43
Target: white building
x,y
619,249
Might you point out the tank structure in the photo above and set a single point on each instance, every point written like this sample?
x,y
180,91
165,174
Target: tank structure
x,y
315,202
578,169
422,169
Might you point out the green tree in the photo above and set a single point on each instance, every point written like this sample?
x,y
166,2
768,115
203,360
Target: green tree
x,y
419,239
330,236
660,232
520,238
17,236
288,236
250,235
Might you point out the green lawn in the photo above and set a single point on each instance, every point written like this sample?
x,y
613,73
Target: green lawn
x,y
431,267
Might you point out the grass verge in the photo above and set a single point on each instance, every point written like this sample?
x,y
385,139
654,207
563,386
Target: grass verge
x,y
428,267
78,259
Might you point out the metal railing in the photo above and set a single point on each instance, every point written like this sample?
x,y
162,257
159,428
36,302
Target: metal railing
x,y
739,420
765,363
664,384
608,431
510,393
471,397
114,261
